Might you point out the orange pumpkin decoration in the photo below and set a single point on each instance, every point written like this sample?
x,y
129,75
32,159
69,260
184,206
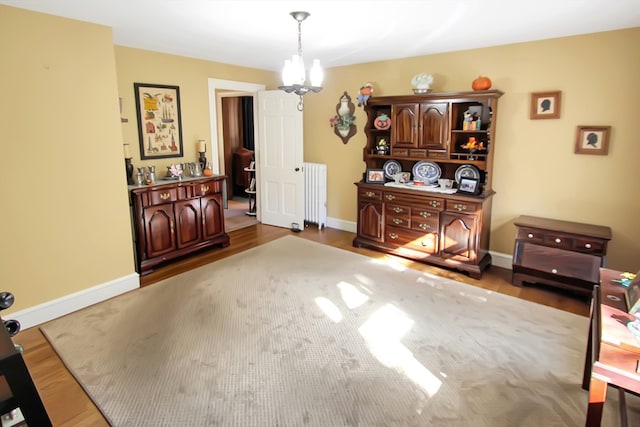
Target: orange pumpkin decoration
x,y
481,83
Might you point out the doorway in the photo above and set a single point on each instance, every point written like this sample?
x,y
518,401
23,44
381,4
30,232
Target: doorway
x,y
227,125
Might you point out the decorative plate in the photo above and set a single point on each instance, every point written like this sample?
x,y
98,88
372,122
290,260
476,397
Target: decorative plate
x,y
391,167
467,171
382,122
429,172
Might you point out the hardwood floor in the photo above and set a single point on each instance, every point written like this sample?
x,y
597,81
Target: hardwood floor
x,y
68,405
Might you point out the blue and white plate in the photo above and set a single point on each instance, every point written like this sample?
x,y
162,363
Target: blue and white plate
x,y
426,171
391,167
467,171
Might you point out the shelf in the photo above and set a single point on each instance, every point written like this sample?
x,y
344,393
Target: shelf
x,y
460,158
482,131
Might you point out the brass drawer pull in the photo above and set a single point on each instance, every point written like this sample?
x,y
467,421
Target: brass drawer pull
x,y
434,203
398,210
530,235
369,194
587,245
425,214
397,221
460,207
425,226
165,196
204,188
558,240
393,235
390,197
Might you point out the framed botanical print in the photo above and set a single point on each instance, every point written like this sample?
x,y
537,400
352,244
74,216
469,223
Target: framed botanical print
x,y
545,105
159,120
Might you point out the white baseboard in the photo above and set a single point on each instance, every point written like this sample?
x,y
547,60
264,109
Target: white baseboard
x,y
341,224
501,260
50,310
498,259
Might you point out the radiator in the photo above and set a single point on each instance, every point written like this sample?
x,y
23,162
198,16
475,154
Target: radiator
x,y
315,193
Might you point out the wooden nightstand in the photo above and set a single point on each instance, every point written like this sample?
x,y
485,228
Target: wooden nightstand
x,y
559,253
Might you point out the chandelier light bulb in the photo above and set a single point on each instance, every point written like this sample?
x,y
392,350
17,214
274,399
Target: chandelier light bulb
x,y
316,74
294,72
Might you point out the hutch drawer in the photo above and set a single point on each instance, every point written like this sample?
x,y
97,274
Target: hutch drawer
x,y
419,241
369,194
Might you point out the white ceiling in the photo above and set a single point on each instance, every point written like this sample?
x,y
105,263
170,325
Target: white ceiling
x,y
261,34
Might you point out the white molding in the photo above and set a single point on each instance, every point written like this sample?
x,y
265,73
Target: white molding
x,y
501,260
58,307
245,89
341,224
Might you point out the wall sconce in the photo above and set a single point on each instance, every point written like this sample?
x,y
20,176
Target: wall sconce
x,y
343,122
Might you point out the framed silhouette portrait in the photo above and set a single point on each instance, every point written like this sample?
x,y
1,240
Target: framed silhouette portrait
x,y
545,105
592,140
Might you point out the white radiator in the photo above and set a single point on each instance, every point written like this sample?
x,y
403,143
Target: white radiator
x,y
315,190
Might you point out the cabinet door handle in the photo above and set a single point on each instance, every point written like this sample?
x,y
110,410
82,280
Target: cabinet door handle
x,y
558,240
171,222
587,245
554,271
460,207
398,210
369,194
397,221
530,235
434,203
425,226
393,235
390,197
165,196
425,214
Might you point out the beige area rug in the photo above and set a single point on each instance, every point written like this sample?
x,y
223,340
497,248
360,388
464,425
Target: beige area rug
x,y
296,333
235,216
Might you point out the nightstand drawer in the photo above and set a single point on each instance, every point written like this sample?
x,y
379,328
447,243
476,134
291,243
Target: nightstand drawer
x,y
557,263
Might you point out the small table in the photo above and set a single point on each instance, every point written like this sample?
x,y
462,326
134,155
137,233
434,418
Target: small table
x,y
559,253
613,352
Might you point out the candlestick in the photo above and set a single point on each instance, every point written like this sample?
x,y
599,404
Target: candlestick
x,y
129,168
203,160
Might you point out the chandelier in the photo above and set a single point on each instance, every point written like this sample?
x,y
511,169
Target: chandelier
x,y
294,73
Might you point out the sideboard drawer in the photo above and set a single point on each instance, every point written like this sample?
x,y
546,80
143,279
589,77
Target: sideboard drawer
x,y
369,194
206,188
159,197
556,240
461,206
421,241
530,235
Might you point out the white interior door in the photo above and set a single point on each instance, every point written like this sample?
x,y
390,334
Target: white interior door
x,y
279,157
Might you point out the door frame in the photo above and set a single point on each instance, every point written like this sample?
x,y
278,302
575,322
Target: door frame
x,y
219,88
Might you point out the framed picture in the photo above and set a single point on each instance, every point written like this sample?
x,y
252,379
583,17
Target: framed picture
x,y
592,140
159,121
632,295
469,185
375,176
545,105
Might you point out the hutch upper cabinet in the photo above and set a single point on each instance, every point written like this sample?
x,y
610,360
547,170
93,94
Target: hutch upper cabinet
x,y
454,130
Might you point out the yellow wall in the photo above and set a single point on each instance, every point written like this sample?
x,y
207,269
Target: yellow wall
x,y
535,169
191,75
65,220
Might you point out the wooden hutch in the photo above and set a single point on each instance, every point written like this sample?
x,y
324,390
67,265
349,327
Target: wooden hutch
x,y
445,229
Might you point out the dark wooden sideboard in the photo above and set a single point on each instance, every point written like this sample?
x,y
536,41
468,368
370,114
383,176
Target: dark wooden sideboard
x,y
175,218
559,253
